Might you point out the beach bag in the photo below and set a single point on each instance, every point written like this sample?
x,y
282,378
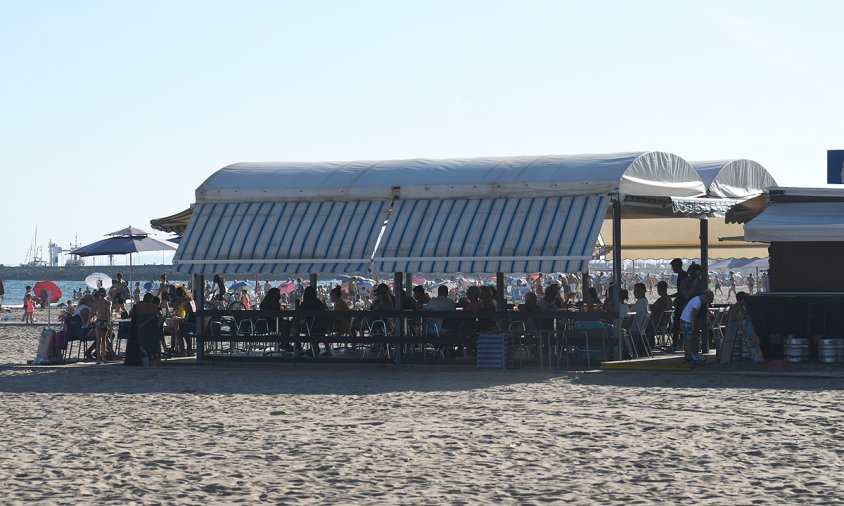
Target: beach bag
x,y
47,353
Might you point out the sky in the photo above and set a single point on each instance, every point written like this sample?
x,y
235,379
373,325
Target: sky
x,y
114,112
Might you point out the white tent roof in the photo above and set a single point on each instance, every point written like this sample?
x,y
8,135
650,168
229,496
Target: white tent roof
x,y
646,174
798,221
515,214
734,178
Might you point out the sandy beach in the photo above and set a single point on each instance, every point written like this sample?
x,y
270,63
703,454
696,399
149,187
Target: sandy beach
x,y
342,433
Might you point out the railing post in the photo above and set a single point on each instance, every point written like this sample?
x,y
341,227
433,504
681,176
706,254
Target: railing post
x,y
398,323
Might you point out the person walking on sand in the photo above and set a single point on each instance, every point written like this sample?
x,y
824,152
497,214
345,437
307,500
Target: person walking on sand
x,y
2,292
102,325
732,281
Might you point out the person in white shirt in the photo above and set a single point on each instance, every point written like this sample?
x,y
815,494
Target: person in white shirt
x,y
691,341
640,307
442,302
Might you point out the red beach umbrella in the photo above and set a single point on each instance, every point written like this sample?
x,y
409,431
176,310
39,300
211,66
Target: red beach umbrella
x,y
53,291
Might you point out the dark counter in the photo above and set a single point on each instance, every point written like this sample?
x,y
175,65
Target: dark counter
x,y
777,315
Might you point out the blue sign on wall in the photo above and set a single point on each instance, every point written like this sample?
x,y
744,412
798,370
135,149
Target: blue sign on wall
x,y
835,166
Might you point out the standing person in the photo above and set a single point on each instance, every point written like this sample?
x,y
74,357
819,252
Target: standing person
x,y
28,307
136,296
691,341
679,300
2,292
317,326
102,325
732,281
164,293
116,293
750,282
718,284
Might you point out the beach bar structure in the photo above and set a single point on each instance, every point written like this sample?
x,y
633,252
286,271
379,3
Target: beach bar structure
x,y
479,215
803,229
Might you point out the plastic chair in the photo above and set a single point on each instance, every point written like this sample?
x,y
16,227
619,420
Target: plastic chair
x,y
591,340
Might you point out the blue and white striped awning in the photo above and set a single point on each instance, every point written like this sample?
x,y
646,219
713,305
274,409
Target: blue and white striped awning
x,y
281,237
539,234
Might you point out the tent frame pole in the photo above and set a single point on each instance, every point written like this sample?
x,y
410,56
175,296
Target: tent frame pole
x,y
704,249
616,270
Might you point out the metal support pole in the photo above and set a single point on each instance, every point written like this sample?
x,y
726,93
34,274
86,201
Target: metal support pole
x,y
616,269
501,301
408,284
704,249
313,280
397,324
199,298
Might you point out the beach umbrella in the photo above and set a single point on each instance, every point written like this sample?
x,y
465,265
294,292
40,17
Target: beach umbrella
x,y
124,242
418,280
239,284
97,280
364,283
287,287
149,285
53,291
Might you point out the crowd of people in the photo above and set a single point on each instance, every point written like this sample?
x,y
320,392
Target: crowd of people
x,y
530,295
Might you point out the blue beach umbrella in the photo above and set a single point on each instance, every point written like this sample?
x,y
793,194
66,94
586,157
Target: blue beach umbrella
x,y
124,242
148,286
239,284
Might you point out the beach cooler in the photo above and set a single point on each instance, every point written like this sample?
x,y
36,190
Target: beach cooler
x,y
493,351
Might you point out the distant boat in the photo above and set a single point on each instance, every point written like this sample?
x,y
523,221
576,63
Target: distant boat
x,y
33,255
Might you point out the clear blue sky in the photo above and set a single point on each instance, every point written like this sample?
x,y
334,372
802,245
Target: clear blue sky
x,y
114,112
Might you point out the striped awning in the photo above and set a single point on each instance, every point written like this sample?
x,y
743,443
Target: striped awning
x,y
281,237
539,234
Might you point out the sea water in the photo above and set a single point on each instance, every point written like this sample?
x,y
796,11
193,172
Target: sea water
x,y
15,289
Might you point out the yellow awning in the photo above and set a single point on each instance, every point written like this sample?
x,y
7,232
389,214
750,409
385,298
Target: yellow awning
x,y
650,239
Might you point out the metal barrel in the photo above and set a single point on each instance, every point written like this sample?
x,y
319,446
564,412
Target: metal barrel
x,y
796,349
830,351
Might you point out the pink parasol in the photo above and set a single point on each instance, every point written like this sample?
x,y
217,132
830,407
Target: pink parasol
x,y
418,280
287,287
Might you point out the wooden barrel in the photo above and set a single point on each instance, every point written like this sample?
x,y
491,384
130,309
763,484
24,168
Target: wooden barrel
x,y
796,349
830,351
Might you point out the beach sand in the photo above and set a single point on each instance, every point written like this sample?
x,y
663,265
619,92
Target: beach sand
x,y
343,433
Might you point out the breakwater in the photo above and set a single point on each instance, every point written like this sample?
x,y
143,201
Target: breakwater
x,y
76,273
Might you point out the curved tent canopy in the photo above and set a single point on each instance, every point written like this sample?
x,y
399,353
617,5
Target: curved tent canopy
x,y
514,214
734,179
654,173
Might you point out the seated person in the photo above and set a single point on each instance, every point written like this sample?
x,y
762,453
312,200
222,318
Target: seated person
x,y
421,297
340,326
664,302
184,313
530,305
640,307
442,302
550,301
594,302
